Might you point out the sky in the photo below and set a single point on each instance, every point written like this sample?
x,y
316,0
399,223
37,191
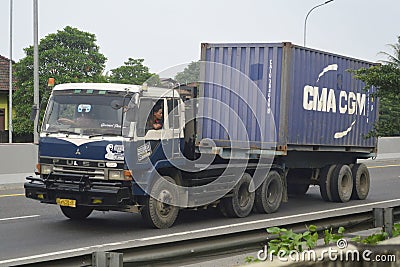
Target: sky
x,y
166,33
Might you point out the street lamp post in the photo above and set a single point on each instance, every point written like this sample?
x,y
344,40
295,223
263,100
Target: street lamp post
x,y
305,21
35,69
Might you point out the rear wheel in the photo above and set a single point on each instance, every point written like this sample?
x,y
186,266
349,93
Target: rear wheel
x,y
242,201
341,183
361,181
159,209
78,213
269,195
325,182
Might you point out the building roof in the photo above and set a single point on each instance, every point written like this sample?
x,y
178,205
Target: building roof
x,y
4,73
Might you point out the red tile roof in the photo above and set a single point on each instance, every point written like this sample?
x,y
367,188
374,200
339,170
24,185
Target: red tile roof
x,y
4,73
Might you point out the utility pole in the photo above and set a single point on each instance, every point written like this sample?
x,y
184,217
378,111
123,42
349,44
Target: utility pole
x,y
10,79
35,71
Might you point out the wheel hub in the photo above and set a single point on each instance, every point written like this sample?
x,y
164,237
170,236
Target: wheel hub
x,y
244,195
163,202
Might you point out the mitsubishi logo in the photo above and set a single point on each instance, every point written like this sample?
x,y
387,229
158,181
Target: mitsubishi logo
x,y
77,152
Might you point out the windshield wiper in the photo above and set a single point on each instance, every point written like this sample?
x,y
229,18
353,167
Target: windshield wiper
x,y
104,134
62,131
68,132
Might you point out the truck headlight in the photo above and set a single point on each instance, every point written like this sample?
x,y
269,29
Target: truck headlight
x,y
114,174
46,169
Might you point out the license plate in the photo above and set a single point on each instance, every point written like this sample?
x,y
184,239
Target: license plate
x,y
66,202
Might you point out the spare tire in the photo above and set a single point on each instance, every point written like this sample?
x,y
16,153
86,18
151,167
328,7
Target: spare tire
x,y
298,181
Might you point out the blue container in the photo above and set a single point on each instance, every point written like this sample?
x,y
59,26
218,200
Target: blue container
x,y
310,96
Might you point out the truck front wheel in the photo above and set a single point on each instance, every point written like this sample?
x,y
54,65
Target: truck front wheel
x,y
242,201
78,213
269,194
159,209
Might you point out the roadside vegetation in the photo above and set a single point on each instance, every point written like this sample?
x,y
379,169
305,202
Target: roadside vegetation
x,y
386,78
287,241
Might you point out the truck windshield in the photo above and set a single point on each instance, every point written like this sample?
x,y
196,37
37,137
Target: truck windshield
x,y
97,113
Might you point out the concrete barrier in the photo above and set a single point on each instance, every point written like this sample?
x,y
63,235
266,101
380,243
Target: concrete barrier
x,y
19,160
388,147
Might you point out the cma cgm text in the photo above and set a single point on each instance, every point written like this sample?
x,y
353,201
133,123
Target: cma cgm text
x,y
325,100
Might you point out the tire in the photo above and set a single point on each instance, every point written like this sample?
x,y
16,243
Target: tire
x,y
78,213
242,201
325,182
298,181
158,209
361,181
341,183
269,195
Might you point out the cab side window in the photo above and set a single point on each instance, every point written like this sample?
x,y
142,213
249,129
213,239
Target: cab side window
x,y
150,115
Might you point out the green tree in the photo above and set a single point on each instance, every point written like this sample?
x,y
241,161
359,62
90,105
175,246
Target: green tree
x,y
386,78
389,116
190,74
133,72
394,59
70,55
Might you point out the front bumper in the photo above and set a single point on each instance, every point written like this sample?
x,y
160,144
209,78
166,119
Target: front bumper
x,y
96,194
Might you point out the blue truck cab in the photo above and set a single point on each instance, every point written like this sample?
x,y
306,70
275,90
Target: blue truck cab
x,y
83,142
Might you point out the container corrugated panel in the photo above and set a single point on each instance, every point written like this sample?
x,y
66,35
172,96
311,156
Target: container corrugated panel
x,y
247,80
313,98
327,106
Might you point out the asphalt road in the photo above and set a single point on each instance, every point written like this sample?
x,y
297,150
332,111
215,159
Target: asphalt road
x,y
29,229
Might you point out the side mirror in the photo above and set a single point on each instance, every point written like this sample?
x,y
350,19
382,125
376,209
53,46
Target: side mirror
x,y
136,99
116,104
34,112
132,114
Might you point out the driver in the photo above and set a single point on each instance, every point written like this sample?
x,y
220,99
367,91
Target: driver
x,y
156,121
83,120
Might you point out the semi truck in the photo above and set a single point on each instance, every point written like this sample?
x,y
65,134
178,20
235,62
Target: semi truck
x,y
263,122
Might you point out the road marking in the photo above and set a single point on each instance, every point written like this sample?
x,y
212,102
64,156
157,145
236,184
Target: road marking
x,y
384,166
102,246
12,195
17,218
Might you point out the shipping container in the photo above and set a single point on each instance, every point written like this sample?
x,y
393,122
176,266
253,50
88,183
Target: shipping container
x,y
313,98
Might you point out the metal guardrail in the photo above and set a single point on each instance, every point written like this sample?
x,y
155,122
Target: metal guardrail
x,y
178,250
